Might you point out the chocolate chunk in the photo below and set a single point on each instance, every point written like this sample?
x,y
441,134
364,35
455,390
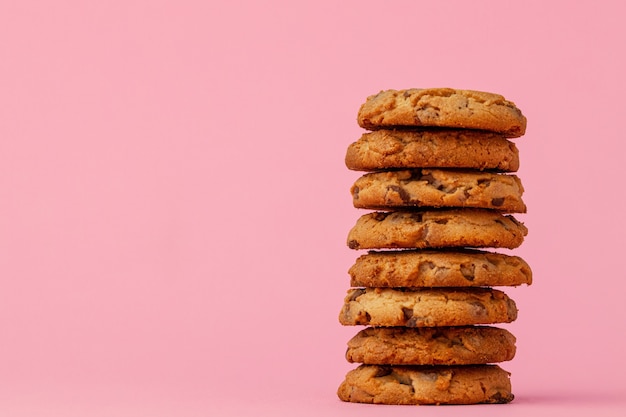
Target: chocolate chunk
x,y
379,216
356,294
468,271
383,371
498,398
404,195
418,217
432,181
479,308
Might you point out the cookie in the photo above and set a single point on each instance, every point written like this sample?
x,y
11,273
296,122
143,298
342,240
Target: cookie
x,y
465,345
438,188
436,229
459,268
426,307
440,148
413,385
442,107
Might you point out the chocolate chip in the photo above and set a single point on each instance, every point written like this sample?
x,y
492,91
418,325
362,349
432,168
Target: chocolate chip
x,y
404,195
383,371
498,398
413,321
497,202
416,175
355,192
353,244
356,294
379,216
468,271
479,308
417,217
432,181
408,313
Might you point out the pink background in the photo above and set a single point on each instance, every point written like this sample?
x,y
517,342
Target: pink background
x,y
174,204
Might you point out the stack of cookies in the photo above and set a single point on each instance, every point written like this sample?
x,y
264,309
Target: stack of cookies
x,y
440,193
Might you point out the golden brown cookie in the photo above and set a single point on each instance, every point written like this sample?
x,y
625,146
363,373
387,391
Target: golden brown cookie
x,y
458,268
436,229
438,188
412,385
464,345
440,148
426,307
442,107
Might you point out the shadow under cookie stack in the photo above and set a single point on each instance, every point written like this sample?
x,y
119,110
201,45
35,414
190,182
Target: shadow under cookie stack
x,y
439,182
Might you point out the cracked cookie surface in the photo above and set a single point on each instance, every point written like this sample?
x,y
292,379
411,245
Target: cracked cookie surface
x,y
439,188
442,107
465,345
421,229
440,148
431,307
412,385
424,268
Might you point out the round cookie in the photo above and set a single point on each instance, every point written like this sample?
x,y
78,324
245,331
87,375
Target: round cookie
x,y
439,148
438,188
442,107
466,345
436,229
426,307
413,385
460,268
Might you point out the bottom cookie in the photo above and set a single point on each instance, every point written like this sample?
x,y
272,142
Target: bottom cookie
x,y
413,385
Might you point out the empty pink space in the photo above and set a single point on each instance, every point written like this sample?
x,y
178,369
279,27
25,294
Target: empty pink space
x,y
174,203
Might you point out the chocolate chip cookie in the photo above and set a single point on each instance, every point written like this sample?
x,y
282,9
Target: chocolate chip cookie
x,y
428,268
438,188
438,148
436,229
442,107
464,345
426,307
412,385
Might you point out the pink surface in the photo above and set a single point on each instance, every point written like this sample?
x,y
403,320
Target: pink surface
x,y
174,204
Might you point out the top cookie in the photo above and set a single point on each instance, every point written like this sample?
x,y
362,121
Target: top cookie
x,y
442,107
